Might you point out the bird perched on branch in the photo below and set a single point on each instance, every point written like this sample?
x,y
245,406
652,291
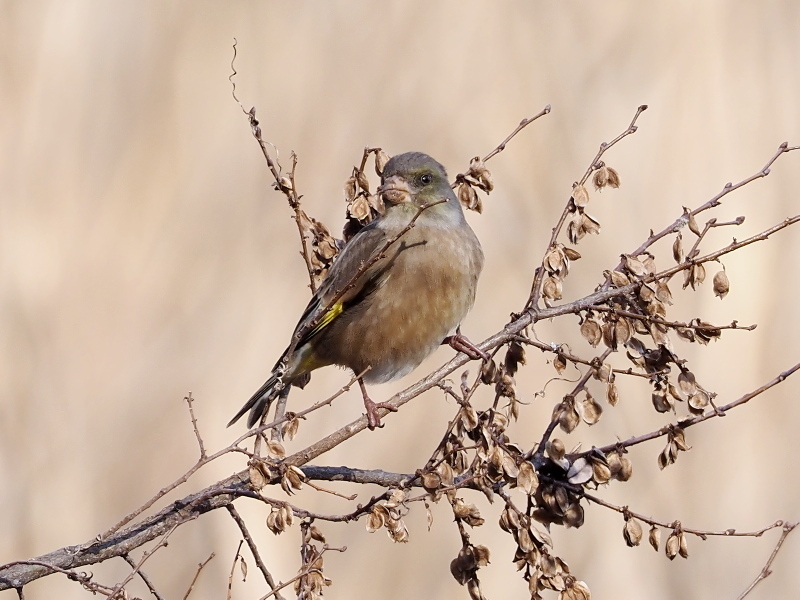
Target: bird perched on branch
x,y
399,289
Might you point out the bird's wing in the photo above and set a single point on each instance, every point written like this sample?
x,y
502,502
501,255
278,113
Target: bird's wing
x,y
322,309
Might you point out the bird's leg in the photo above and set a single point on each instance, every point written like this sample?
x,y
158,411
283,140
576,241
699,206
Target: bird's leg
x,y
373,418
460,343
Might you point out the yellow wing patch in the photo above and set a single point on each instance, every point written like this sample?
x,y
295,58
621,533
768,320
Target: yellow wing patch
x,y
333,312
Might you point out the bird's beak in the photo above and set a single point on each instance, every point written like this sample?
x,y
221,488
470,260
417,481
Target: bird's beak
x,y
395,190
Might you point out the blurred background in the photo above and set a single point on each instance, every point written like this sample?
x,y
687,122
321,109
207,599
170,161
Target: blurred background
x,y
143,254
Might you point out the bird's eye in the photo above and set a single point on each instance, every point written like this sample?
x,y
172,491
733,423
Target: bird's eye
x,y
426,179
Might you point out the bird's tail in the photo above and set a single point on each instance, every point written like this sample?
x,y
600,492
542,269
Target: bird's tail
x,y
260,402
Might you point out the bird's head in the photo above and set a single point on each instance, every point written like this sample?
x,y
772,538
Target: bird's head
x,y
416,179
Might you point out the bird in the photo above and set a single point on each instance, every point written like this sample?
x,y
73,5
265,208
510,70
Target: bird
x,y
399,289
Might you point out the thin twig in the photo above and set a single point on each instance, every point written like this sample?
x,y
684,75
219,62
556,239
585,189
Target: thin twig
x,y
143,576
538,278
683,220
236,558
674,324
522,125
285,185
253,548
701,533
555,419
189,401
200,567
559,350
163,542
766,570
683,424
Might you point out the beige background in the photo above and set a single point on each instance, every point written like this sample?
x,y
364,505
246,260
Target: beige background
x,y
143,254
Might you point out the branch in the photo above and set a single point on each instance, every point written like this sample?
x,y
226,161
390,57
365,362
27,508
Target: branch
x,y
538,279
720,411
253,549
522,125
765,571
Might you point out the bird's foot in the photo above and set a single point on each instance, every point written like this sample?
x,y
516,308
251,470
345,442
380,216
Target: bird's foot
x,y
373,418
460,343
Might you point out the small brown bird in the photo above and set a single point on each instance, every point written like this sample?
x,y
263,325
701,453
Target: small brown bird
x,y
403,306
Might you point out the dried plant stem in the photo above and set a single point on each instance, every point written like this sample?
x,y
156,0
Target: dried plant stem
x,y
559,350
683,220
718,412
143,577
522,125
766,570
554,421
285,185
253,549
163,542
200,567
538,279
701,533
674,324
236,558
189,402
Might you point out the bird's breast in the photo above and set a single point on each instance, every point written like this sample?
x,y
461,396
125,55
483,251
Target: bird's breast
x,y
425,289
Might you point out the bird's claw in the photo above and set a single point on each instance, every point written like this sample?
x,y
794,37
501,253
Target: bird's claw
x,y
373,418
460,343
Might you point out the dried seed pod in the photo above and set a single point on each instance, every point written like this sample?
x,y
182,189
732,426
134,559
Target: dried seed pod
x,y
693,227
515,356
555,450
677,248
591,331
589,224
381,158
600,178
431,481
560,363
619,279
662,292
661,402
489,372
601,472
683,549
602,373
573,515
621,467
687,382
654,537
257,478
632,532
612,395
579,472
613,178
580,197
469,513
698,402
552,289
575,590
568,418
673,545
479,172
468,197
634,265
276,449
350,188
721,284
527,479
588,408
